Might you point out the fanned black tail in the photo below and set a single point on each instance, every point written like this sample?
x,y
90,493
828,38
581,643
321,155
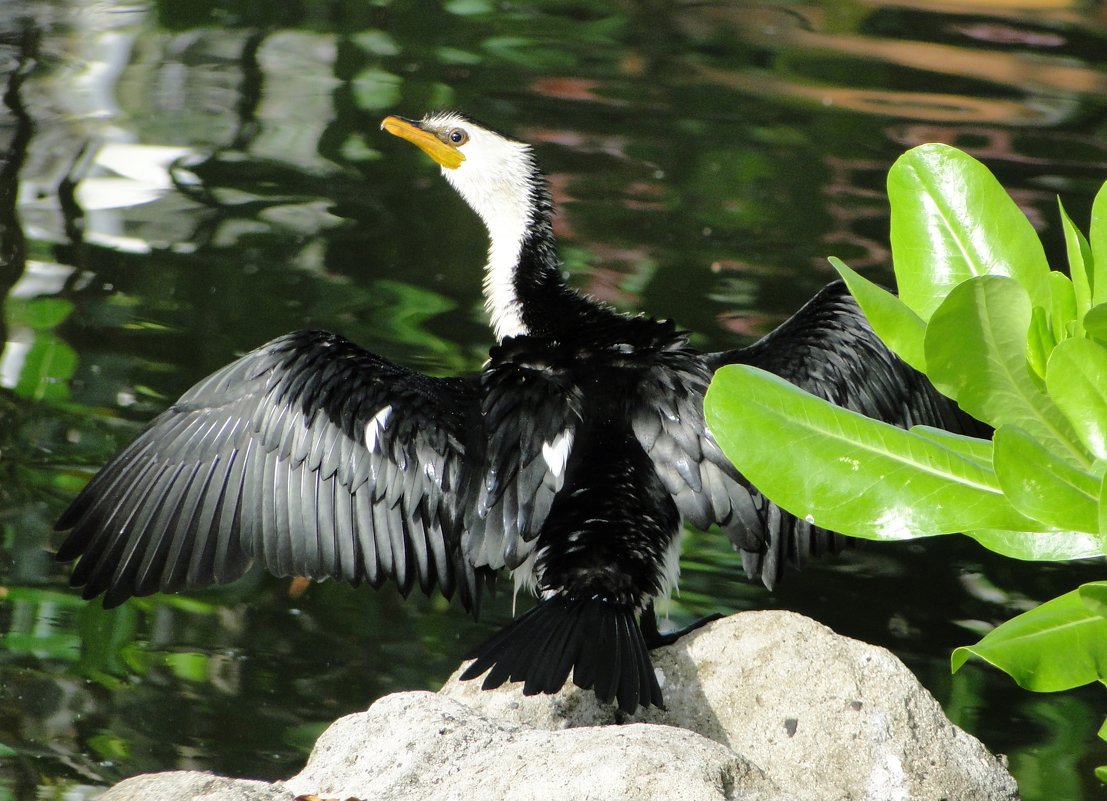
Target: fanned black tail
x,y
599,642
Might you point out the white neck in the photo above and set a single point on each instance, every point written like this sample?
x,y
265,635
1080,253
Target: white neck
x,y
494,181
500,299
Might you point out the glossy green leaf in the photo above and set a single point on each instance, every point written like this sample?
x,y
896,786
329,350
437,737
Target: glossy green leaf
x,y
1039,342
1076,378
973,448
900,328
1094,596
1080,261
1097,242
976,354
1056,646
1043,486
1103,509
1095,323
1040,546
845,471
951,220
1063,312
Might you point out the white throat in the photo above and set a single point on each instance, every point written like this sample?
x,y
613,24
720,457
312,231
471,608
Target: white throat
x,y
495,181
500,298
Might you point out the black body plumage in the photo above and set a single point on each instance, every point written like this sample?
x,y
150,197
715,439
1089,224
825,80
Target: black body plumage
x,y
571,459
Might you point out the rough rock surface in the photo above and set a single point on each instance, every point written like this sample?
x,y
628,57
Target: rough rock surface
x,y
761,705
443,750
182,785
824,716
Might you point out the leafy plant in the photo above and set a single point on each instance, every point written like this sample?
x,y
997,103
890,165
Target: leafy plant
x,y
1018,346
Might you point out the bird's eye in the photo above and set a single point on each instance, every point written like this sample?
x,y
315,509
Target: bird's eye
x,y
457,136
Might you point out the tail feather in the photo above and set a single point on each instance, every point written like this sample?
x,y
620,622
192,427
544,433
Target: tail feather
x,y
599,642
546,670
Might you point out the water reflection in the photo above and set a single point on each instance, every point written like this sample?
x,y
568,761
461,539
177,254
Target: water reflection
x,y
906,61
182,181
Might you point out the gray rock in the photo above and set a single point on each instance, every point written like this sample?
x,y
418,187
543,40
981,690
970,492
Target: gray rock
x,y
762,705
824,716
189,785
425,746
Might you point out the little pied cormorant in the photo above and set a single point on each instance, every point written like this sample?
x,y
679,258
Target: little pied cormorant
x,y
571,460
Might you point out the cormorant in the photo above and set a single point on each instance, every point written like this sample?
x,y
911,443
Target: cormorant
x,y
571,459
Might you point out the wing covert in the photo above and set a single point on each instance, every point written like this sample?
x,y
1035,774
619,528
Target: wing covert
x,y
531,409
667,419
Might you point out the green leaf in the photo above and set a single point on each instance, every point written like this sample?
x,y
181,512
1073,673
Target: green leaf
x,y
1080,261
1097,242
973,448
1094,596
975,353
1057,646
1039,342
1043,486
951,220
846,472
1040,546
1076,378
1062,315
900,328
1095,323
1103,509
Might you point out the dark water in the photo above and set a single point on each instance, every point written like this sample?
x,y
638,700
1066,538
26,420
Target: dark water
x,y
180,182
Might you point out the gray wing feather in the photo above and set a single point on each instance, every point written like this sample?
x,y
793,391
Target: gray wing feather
x,y
530,410
267,460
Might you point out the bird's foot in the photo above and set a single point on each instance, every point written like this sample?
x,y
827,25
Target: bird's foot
x,y
655,639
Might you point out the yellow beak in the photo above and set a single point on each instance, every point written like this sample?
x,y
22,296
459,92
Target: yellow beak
x,y
442,152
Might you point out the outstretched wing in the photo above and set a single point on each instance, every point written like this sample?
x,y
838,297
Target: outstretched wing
x,y
309,455
829,349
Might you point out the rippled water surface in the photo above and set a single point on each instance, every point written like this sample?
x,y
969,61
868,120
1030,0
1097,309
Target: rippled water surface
x,y
180,182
